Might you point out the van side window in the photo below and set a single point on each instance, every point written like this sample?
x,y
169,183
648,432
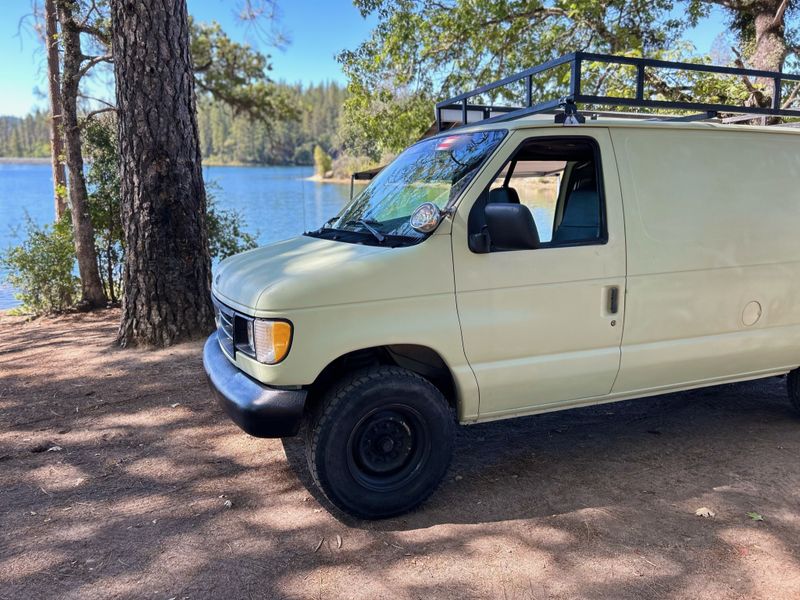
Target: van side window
x,y
558,181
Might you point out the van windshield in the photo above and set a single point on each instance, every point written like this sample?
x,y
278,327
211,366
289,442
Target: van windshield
x,y
435,170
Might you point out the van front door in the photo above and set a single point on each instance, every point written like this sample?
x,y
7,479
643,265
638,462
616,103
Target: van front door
x,y
542,326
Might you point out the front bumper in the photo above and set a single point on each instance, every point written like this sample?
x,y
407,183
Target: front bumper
x,y
258,409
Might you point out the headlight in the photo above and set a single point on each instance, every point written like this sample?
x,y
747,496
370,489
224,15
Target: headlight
x,y
271,340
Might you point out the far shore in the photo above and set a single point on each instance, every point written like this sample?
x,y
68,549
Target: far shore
x,y
30,160
206,163
343,180
23,160
35,160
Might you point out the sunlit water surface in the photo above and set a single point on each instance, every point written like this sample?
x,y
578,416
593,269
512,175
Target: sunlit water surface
x,y
276,202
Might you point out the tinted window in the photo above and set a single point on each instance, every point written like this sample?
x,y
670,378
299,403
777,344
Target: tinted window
x,y
558,181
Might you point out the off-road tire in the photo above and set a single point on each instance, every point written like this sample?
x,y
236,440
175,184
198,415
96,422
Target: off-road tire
x,y
362,422
793,384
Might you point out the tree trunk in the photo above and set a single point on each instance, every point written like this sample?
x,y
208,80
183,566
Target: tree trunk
x,y
761,27
56,112
91,287
167,271
770,43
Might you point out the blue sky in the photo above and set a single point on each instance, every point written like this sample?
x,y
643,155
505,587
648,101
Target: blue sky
x,y
317,30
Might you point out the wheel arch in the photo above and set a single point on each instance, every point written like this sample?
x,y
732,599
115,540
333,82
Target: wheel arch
x,y
420,359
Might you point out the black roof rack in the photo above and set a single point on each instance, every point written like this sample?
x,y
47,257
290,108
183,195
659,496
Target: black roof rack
x,y
459,110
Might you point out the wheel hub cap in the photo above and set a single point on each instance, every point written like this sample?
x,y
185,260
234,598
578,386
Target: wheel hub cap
x,y
385,443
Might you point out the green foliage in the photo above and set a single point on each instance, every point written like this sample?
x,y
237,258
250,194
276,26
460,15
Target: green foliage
x,y
226,229
227,138
236,75
25,137
243,116
346,164
322,161
102,178
41,268
423,50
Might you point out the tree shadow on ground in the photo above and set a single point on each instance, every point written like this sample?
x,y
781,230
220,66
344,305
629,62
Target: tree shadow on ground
x,y
537,466
589,503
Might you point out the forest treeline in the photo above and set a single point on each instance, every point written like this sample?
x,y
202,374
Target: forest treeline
x,y
224,137
25,137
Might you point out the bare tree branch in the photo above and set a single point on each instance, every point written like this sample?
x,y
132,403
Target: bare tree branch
x,y
778,20
96,32
91,61
90,115
755,93
666,90
792,97
261,17
92,8
100,100
32,23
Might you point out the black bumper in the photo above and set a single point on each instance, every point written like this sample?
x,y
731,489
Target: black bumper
x,y
260,410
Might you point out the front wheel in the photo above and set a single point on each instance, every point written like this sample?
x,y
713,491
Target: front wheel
x,y
381,442
793,383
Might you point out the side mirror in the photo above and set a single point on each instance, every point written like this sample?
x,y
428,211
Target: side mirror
x,y
511,227
426,217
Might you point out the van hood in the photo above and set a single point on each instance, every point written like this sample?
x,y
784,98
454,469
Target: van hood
x,y
305,271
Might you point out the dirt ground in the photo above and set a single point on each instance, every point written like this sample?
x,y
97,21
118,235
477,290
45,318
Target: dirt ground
x,y
116,468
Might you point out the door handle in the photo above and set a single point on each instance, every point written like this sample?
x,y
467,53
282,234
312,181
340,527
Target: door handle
x,y
613,300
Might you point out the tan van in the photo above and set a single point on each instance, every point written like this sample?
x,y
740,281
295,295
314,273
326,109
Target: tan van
x,y
516,265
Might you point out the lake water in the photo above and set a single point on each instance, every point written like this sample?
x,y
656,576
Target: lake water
x,y
276,202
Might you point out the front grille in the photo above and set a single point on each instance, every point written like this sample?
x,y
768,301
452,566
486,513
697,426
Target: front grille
x,y
225,318
234,330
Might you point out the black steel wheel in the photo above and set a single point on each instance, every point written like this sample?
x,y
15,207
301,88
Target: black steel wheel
x,y
389,447
380,442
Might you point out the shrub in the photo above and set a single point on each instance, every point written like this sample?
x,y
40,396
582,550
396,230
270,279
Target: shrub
x,y
102,177
322,161
345,165
41,268
225,228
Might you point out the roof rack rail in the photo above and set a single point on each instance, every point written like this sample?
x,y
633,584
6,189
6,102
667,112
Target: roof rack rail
x,y
458,111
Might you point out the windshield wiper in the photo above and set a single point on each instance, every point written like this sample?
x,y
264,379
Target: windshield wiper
x,y
378,235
